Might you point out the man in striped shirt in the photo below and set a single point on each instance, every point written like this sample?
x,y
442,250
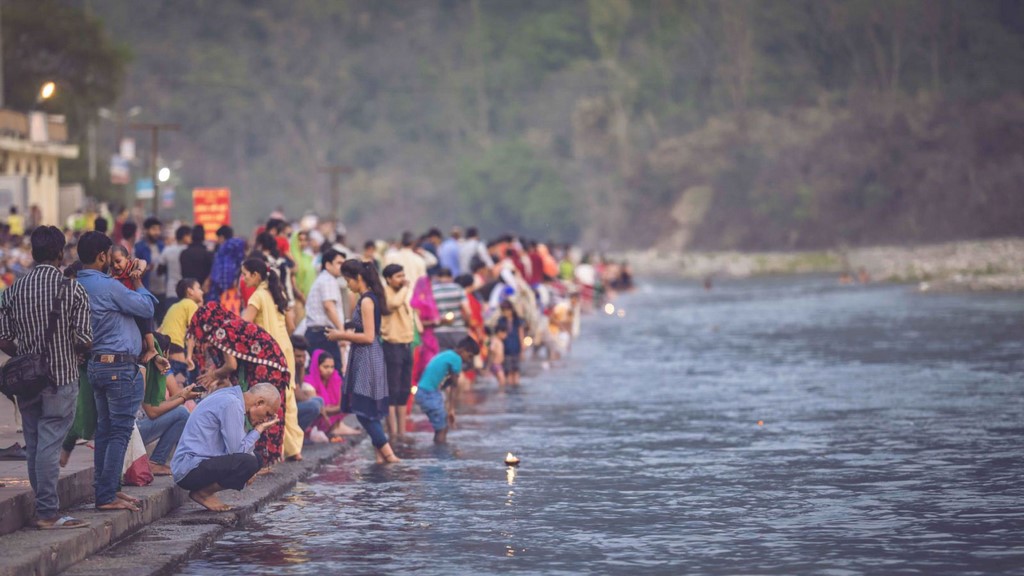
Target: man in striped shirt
x,y
24,315
453,306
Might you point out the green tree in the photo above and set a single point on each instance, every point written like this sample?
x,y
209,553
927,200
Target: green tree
x,y
510,187
46,40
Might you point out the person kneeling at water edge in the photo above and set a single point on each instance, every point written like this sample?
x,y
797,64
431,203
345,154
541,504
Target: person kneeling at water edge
x,y
214,452
442,373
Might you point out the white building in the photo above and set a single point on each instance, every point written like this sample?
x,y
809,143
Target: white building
x,y
30,147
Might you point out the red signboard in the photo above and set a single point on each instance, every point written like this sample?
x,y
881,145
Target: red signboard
x,y
211,208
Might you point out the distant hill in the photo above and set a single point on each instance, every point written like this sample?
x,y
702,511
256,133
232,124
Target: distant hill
x,y
805,123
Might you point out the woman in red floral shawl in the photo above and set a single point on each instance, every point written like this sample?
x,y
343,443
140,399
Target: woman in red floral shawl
x,y
244,354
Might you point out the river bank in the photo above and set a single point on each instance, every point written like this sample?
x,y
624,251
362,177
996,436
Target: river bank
x,y
983,265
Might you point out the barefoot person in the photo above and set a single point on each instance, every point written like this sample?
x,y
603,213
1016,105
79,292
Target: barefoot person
x,y
433,393
365,392
215,453
114,369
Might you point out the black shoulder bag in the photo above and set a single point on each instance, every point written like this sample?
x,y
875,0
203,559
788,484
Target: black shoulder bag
x,y
26,375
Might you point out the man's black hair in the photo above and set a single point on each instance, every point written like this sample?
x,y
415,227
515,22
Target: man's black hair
x,y
464,280
369,244
300,343
101,224
469,345
47,244
390,270
91,245
408,239
198,234
226,232
128,229
472,232
182,233
443,272
183,286
152,221
329,255
433,232
274,225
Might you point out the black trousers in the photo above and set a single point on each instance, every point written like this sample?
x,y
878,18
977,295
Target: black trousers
x,y
230,471
398,366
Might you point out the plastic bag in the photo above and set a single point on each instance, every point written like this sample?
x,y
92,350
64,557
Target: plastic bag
x,y
136,461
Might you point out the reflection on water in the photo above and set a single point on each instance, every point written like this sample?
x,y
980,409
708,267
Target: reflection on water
x,y
769,426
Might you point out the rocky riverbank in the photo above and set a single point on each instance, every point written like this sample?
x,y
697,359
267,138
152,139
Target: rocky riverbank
x,y
984,265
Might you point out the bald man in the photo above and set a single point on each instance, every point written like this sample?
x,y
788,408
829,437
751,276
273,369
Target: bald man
x,y
215,453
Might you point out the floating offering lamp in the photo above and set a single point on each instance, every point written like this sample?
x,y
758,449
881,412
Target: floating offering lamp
x,y
511,459
760,422
528,341
450,316
609,308
621,314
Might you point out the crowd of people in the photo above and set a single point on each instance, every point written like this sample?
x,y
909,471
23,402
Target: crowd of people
x,y
228,355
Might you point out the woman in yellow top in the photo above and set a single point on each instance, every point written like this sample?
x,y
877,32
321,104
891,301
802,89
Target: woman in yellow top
x,y
266,308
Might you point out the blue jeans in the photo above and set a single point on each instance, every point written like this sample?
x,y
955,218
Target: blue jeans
x,y
309,410
375,429
46,420
118,389
168,428
431,402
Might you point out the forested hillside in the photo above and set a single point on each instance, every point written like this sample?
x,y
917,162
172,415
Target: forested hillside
x,y
799,123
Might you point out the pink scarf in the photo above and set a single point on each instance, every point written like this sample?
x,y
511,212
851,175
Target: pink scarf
x,y
330,391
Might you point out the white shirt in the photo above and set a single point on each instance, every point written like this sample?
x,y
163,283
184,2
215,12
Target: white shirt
x,y
324,289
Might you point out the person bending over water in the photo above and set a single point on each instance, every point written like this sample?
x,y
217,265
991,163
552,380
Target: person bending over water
x,y
433,393
215,452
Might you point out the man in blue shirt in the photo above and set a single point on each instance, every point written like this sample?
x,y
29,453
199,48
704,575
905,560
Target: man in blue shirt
x,y
442,372
113,367
215,452
448,253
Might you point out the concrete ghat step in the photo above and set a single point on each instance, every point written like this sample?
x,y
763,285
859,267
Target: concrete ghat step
x,y
44,552
162,546
141,547
16,510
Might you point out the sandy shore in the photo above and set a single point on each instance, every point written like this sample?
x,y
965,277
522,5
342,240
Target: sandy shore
x,y
984,265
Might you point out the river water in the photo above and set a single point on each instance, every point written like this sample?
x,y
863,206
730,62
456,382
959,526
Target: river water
x,y
784,426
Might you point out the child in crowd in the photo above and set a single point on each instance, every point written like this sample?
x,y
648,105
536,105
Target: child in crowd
x,y
175,326
433,393
497,354
512,324
123,269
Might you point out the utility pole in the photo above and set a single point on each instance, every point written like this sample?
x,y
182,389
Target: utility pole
x,y
154,150
335,171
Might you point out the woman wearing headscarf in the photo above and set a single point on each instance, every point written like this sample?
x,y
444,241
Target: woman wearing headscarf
x,y
327,382
227,266
427,317
267,308
225,347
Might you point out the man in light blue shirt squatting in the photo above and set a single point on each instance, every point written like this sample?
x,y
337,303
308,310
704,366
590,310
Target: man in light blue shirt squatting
x,y
215,453
442,372
113,368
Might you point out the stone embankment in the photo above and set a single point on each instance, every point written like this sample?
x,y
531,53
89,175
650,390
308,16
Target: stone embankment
x,y
984,265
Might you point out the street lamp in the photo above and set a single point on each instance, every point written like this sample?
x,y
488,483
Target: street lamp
x,y
46,92
164,174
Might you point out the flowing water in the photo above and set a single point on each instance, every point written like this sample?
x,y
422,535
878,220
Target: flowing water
x,y
768,426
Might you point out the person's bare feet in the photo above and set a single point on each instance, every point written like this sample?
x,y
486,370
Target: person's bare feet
x,y
378,456
127,498
209,501
64,456
264,471
159,469
118,504
342,429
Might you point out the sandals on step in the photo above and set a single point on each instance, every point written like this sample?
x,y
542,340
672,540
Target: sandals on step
x,y
63,523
